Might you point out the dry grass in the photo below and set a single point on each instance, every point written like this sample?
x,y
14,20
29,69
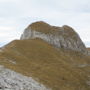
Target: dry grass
x,y
88,49
40,26
43,27
55,68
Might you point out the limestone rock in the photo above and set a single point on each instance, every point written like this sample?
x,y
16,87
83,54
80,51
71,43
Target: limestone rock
x,y
60,37
11,80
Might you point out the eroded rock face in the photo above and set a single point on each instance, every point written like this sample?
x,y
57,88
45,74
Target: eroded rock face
x,y
60,37
10,80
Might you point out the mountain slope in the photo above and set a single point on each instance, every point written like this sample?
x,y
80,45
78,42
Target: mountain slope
x,y
57,69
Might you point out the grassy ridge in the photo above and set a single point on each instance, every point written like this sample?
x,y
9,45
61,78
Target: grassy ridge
x,y
58,69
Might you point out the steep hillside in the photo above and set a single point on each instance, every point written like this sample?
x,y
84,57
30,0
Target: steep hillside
x,y
57,69
60,37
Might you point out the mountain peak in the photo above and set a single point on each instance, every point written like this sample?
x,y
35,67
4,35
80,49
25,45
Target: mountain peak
x,y
60,37
41,23
40,26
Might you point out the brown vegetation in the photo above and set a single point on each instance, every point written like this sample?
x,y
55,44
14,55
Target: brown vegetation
x,y
58,69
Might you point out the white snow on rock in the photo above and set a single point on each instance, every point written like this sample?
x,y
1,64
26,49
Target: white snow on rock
x,y
10,80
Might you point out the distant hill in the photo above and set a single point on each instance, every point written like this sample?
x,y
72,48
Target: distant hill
x,y
53,56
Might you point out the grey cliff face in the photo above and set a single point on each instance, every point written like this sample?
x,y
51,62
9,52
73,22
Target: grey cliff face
x,y
62,37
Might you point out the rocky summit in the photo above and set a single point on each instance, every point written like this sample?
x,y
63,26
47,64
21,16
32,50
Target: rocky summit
x,y
60,37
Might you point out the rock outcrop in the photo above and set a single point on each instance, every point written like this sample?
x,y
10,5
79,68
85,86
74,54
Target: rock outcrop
x,y
11,80
60,37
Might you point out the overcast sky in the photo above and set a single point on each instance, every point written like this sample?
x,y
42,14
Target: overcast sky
x,y
16,15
